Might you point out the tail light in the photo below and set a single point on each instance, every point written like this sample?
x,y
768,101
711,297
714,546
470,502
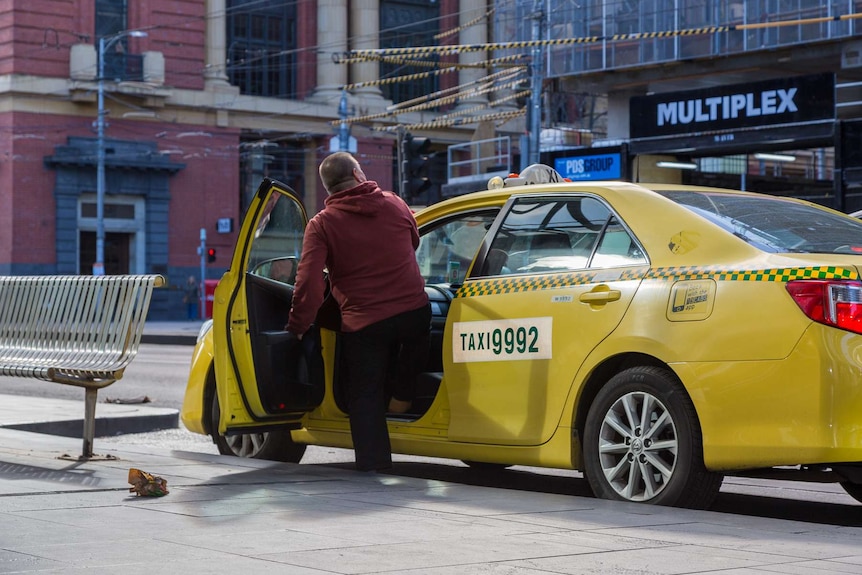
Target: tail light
x,y
831,302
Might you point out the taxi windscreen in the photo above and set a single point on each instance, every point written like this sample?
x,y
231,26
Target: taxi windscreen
x,y
775,224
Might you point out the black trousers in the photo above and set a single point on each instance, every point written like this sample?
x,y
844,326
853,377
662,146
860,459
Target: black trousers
x,y
380,360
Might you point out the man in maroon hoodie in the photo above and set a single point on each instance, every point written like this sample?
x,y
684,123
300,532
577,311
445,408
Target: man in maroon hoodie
x,y
366,238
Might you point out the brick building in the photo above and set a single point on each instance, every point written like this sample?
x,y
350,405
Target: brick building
x,y
200,102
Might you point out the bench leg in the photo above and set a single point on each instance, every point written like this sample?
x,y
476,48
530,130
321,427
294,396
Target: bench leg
x,y
89,420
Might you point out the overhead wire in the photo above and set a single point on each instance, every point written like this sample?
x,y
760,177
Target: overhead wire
x,y
506,116
452,49
484,106
409,77
455,49
433,63
466,25
397,79
497,83
502,75
420,107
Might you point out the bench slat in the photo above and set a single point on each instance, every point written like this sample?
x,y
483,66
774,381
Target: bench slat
x,y
80,330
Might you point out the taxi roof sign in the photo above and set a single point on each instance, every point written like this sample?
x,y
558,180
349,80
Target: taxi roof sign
x,y
532,174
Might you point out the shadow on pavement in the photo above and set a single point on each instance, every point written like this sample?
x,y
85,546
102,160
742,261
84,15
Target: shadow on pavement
x,y
826,513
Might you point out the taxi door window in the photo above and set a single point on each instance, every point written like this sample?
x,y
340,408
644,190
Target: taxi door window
x,y
617,248
446,252
277,239
547,235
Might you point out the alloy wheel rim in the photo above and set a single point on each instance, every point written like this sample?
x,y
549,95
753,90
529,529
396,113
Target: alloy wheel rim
x,y
247,444
638,446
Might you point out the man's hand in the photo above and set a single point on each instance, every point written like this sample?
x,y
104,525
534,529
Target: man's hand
x,y
293,337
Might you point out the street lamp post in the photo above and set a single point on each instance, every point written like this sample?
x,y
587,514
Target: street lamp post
x,y
105,43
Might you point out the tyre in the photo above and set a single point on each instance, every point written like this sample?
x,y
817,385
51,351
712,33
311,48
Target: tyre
x,y
854,490
642,442
272,445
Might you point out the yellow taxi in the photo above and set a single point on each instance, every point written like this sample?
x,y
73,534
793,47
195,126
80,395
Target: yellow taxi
x,y
655,337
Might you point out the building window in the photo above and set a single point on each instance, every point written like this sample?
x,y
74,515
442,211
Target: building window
x,y
111,19
114,211
406,23
261,53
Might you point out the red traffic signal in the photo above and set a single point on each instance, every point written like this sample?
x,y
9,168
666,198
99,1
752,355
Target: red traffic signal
x,y
211,253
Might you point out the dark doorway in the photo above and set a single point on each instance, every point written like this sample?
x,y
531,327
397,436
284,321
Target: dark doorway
x,y
116,253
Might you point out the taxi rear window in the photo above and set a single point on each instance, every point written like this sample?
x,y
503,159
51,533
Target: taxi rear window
x,y
775,224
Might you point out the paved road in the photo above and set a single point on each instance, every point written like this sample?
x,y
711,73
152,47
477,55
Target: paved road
x,y
159,373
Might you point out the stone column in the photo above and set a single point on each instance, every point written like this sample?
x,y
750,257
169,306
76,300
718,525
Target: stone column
x,y
331,38
477,33
365,32
502,33
214,73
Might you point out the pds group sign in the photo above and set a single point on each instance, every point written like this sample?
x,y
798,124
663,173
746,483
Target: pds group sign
x,y
598,167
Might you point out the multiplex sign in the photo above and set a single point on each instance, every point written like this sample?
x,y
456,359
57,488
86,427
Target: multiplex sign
x,y
595,167
768,103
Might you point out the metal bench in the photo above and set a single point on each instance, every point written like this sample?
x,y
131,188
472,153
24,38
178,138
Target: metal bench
x,y
75,330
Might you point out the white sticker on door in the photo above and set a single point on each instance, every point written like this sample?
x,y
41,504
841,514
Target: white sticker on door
x,y
502,340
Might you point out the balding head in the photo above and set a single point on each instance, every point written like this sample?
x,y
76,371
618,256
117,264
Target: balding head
x,y
340,171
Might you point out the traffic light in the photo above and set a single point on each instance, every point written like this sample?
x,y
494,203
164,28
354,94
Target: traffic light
x,y
210,255
415,165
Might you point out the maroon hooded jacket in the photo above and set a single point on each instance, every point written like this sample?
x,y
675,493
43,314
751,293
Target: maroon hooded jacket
x,y
367,239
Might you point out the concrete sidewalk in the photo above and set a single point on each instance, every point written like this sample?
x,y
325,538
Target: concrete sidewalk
x,y
229,515
59,514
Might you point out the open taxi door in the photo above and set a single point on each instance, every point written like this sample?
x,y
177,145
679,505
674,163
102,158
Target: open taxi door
x,y
263,380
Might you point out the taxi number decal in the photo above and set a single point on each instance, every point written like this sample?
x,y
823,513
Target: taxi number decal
x,y
502,340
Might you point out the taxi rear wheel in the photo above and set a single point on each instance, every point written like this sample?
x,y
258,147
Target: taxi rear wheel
x,y
642,442
272,445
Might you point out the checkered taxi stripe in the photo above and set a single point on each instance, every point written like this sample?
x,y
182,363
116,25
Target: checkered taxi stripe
x,y
496,286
